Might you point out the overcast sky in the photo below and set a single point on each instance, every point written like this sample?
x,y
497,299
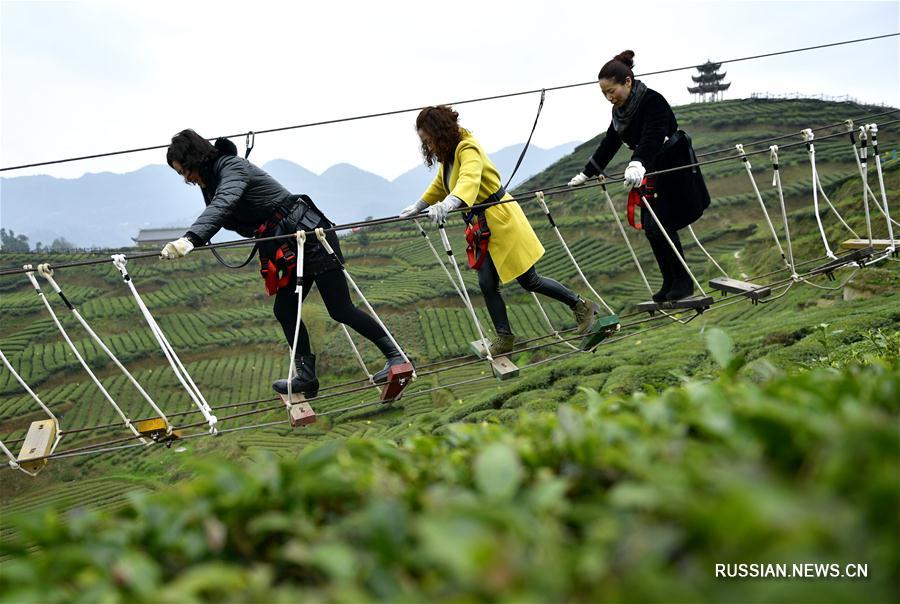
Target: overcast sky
x,y
85,77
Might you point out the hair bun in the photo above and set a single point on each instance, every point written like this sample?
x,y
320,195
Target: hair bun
x,y
626,57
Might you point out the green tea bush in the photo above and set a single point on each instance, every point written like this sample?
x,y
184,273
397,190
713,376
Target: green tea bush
x,y
624,498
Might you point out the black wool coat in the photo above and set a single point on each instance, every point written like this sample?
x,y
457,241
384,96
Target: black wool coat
x,y
681,196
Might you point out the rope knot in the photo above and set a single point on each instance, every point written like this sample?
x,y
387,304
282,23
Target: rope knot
x,y
119,262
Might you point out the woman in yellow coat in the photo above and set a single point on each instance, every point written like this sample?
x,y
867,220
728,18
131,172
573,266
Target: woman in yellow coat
x,y
467,177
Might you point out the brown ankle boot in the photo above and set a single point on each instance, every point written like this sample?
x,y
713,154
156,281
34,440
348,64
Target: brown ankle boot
x,y
502,344
585,312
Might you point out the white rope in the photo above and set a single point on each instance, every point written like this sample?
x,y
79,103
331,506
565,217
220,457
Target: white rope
x,y
13,462
842,284
873,132
125,419
749,168
438,257
549,323
540,197
28,389
637,263
612,210
776,182
292,369
320,234
119,261
465,294
833,209
703,249
811,151
672,245
359,358
47,273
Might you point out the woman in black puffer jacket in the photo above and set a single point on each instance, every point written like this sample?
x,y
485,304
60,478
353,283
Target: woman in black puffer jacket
x,y
243,198
643,120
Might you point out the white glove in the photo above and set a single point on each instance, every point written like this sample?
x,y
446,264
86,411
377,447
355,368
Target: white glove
x,y
176,249
438,212
578,180
634,175
413,209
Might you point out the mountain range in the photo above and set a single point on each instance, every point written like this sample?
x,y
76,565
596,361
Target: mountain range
x,y
107,210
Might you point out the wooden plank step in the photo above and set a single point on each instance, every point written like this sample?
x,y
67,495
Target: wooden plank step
x,y
504,369
480,348
878,244
300,413
399,377
156,428
744,288
854,256
602,328
38,443
699,303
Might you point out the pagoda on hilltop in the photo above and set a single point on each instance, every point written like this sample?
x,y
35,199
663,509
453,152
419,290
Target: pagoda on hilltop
x,y
710,86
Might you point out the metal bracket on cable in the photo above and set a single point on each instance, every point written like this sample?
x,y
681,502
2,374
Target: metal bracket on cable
x,y
249,143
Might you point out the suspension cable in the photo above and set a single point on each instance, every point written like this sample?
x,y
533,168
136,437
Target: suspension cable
x,y
555,190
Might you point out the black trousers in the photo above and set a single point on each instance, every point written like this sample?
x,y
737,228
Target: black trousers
x,y
336,296
669,265
530,280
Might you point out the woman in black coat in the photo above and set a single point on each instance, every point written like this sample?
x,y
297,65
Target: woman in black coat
x,y
643,120
243,198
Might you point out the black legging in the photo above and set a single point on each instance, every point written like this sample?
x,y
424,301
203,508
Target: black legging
x,y
336,296
530,280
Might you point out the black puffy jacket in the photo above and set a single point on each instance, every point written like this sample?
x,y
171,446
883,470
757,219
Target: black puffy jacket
x,y
239,197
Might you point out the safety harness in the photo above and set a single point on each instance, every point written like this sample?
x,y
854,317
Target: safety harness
x,y
276,269
636,199
478,233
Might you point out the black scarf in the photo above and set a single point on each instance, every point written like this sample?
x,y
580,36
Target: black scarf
x,y
622,116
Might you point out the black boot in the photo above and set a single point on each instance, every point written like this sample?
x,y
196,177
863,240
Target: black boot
x,y
663,255
393,355
304,382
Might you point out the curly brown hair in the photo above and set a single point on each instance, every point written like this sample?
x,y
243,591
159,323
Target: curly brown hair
x,y
441,125
191,150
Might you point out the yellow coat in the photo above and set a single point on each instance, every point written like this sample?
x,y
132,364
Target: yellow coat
x,y
513,246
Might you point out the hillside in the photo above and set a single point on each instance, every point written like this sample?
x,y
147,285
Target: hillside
x,y
107,210
220,322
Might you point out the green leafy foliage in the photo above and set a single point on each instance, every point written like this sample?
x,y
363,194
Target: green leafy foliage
x,y
615,498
